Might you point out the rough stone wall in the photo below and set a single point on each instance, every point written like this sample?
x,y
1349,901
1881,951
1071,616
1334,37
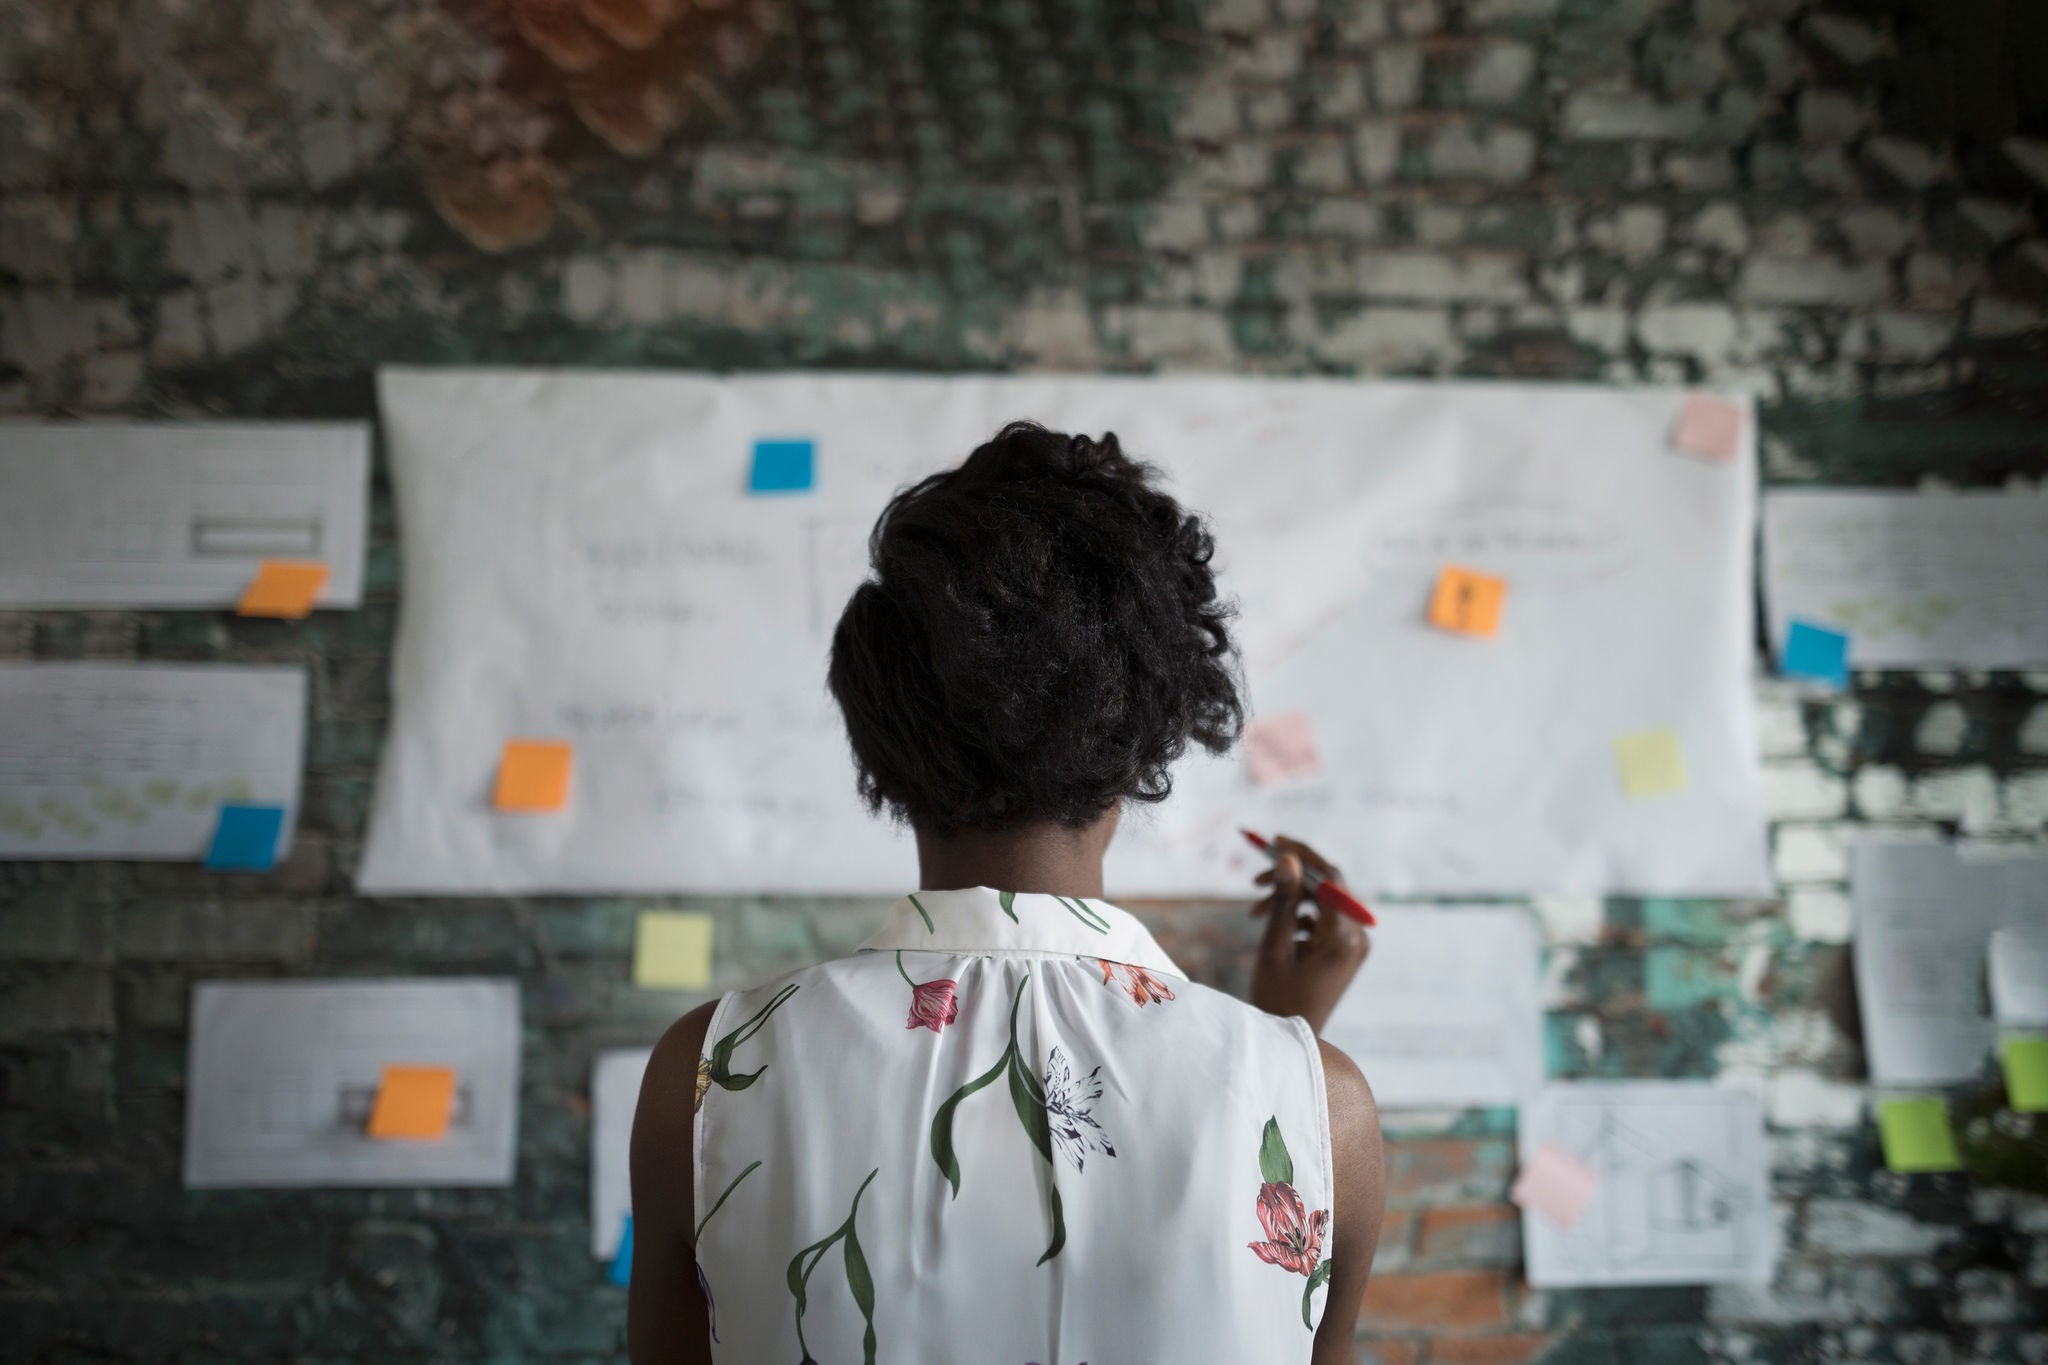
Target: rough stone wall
x,y
240,207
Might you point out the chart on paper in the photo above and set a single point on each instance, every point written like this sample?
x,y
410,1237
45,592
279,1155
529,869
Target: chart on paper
x,y
673,616
1682,1194
136,760
177,514
284,1075
1912,578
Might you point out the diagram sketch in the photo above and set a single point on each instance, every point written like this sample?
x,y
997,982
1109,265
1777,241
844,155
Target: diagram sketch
x,y
1912,578
1445,1011
1683,1194
177,514
614,1095
136,760
674,629
283,1075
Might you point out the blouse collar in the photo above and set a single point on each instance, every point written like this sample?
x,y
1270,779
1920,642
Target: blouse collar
x,y
978,920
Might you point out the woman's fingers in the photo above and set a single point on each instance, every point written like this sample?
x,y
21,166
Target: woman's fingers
x,y
1308,856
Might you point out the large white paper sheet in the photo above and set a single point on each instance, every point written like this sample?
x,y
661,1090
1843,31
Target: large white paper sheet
x,y
1683,1194
1924,916
614,1095
177,514
283,1075
1913,578
136,760
582,563
1445,1010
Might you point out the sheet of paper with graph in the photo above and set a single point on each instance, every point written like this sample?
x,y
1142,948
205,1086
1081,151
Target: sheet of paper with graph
x,y
585,562
137,760
284,1076
177,514
1445,1011
1912,578
1680,1193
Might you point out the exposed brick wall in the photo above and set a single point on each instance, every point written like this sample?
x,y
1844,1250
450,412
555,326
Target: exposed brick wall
x,y
241,207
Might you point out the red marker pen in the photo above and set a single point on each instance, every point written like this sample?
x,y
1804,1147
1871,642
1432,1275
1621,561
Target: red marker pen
x,y
1328,893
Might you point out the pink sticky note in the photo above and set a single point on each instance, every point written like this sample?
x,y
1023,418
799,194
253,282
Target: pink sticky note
x,y
1281,747
1555,1184
1708,426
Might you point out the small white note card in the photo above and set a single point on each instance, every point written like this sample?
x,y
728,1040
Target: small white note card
x,y
1445,1010
2018,962
177,514
137,760
614,1095
284,1075
1681,1194
1912,578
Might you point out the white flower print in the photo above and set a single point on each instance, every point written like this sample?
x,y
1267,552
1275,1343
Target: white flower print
x,y
1074,1129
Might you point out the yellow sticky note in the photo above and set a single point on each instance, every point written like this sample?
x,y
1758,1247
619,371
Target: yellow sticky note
x,y
413,1102
1651,762
2026,1074
1467,602
283,588
533,775
1917,1136
672,951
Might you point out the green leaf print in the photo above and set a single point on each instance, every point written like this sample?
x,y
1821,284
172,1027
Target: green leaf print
x,y
858,1280
1083,912
1009,903
1275,1166
722,1074
1317,1278
924,915
699,1235
942,1122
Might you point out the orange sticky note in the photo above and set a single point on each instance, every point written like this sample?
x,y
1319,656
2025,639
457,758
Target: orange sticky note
x,y
1467,602
533,775
1708,426
1281,747
283,588
413,1102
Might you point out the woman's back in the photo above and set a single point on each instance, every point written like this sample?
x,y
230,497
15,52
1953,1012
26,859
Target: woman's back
x,y
1009,1130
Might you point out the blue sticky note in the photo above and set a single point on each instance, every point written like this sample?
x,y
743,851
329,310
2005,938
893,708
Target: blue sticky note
x,y
622,1260
781,467
1815,652
245,840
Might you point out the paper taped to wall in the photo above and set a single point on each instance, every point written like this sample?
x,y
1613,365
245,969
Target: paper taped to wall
x,y
1924,916
1445,1011
284,1076
1682,1193
138,760
584,562
1912,578
177,514
614,1095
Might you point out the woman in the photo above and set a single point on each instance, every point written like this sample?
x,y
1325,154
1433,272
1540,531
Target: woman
x,y
1009,1129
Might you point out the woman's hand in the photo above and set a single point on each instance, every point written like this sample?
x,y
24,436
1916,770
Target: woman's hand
x,y
1305,959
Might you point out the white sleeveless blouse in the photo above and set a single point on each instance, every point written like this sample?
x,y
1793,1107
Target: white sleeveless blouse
x,y
1009,1130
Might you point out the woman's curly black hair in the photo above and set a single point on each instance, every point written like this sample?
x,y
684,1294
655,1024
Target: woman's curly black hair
x,y
1040,639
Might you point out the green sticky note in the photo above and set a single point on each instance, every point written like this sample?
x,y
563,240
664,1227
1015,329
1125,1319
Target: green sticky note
x,y
1917,1136
672,951
2026,1074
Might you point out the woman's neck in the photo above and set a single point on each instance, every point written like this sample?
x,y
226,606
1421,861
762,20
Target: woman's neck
x,y
1049,859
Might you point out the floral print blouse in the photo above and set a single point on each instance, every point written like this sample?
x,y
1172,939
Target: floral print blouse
x,y
1009,1129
